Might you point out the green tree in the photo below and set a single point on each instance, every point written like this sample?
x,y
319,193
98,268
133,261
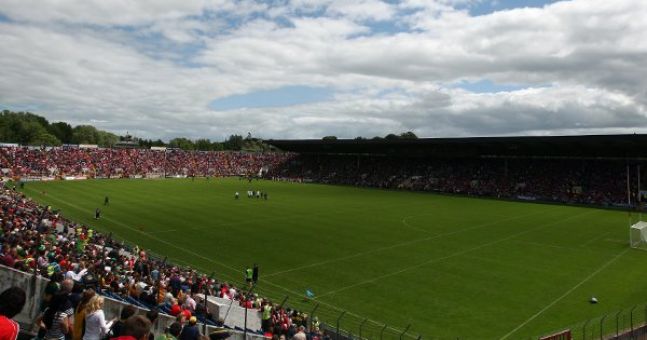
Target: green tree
x,y
45,138
408,135
182,143
203,144
62,131
235,142
391,136
158,142
85,134
216,146
106,139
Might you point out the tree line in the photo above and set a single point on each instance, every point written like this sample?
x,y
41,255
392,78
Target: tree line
x,y
390,136
27,128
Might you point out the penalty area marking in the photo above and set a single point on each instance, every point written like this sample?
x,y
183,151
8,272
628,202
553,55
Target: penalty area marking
x,y
568,292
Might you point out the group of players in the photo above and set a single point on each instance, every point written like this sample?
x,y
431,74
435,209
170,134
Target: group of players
x,y
252,194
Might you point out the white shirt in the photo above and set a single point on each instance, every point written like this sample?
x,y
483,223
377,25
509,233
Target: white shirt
x,y
189,304
96,326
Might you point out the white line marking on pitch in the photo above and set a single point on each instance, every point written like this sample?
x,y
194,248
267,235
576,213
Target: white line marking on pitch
x,y
594,239
146,234
406,243
434,260
546,245
161,231
203,257
606,264
404,221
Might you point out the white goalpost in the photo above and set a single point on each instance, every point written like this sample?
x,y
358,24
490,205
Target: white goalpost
x,y
638,235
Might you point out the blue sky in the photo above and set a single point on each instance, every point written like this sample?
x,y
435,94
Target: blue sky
x,y
311,68
283,96
487,7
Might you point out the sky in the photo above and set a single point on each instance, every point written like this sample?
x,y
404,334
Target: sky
x,y
312,68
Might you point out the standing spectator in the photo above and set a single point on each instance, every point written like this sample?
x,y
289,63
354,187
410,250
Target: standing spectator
x,y
79,314
12,300
249,276
56,317
96,326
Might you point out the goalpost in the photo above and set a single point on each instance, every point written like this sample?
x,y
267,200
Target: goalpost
x,y
638,235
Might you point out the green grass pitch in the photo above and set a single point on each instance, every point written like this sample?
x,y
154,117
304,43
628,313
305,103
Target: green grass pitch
x,y
449,266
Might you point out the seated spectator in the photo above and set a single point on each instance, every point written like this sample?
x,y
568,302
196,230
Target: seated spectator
x,y
301,334
136,327
190,331
172,332
118,327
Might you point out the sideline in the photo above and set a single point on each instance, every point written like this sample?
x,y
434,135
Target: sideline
x,y
601,268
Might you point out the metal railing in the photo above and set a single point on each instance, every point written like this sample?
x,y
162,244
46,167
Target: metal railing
x,y
627,323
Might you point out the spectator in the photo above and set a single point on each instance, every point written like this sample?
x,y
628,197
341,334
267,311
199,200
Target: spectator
x,y
136,327
152,316
301,334
189,303
56,317
79,314
190,331
12,300
118,326
172,332
96,326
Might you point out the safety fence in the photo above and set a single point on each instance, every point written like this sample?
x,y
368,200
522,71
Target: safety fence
x,y
627,323
334,321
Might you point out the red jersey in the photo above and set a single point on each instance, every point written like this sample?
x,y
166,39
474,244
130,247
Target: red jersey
x,y
9,329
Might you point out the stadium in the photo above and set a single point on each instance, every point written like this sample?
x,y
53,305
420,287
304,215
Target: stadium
x,y
323,170
452,228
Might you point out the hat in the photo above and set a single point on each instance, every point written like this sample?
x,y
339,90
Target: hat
x,y
193,320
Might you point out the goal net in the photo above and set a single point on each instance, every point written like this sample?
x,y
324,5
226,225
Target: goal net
x,y
638,235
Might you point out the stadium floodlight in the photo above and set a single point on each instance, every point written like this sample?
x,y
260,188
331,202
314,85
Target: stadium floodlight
x,y
638,235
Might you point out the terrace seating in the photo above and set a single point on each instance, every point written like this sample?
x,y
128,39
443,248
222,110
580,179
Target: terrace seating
x,y
29,245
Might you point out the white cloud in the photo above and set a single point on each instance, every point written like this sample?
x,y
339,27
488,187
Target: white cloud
x,y
69,59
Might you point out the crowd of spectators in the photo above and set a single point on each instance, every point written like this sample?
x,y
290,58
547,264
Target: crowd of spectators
x,y
84,265
596,182
101,162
